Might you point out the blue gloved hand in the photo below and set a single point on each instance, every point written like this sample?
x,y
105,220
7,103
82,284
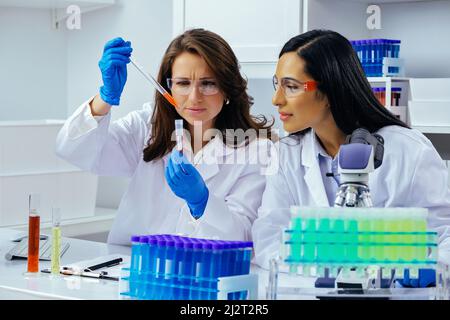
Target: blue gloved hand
x,y
113,66
187,183
427,278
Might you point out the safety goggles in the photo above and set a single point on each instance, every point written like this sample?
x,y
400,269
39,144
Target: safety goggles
x,y
183,86
292,87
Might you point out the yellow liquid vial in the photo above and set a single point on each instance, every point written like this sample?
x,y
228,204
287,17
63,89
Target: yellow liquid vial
x,y
56,249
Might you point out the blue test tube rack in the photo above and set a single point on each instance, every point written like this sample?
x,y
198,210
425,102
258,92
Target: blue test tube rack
x,y
171,267
379,57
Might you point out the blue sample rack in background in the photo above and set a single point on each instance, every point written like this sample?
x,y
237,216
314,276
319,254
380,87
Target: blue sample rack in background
x,y
374,53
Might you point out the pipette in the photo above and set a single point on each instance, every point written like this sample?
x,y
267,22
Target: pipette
x,y
155,83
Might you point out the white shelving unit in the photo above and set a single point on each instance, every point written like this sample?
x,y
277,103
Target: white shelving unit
x,y
388,82
255,29
28,164
58,7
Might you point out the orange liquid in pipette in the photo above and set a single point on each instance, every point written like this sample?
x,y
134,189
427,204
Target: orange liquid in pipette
x,y
33,243
170,99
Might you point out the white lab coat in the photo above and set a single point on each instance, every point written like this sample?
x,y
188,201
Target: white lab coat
x,y
412,175
149,206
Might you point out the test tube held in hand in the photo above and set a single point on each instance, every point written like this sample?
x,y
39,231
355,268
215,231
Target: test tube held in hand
x,y
34,202
179,134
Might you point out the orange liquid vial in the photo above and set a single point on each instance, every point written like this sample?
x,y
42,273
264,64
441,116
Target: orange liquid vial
x,y
34,222
33,243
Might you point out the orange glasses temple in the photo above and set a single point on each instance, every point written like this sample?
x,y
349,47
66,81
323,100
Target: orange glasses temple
x,y
310,85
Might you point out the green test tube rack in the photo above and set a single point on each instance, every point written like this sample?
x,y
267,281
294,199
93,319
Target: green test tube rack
x,y
394,238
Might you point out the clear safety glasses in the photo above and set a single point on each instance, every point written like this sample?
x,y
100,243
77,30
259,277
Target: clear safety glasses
x,y
291,87
183,86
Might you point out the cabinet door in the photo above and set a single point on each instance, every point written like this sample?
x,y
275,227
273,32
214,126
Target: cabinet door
x,y
256,29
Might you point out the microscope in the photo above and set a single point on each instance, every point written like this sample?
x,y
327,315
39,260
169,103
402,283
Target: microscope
x,y
361,154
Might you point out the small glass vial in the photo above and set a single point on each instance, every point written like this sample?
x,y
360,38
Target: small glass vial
x,y
56,241
34,220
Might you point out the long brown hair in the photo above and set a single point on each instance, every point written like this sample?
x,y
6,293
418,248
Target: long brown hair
x,y
224,64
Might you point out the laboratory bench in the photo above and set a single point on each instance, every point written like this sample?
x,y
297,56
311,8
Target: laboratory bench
x,y
16,285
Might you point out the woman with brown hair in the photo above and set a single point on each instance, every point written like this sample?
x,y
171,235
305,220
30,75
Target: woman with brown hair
x,y
213,187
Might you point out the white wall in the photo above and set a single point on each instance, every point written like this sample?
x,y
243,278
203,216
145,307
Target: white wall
x,y
345,17
47,73
148,25
33,66
426,54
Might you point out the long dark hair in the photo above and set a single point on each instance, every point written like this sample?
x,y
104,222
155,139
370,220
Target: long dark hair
x,y
331,61
224,64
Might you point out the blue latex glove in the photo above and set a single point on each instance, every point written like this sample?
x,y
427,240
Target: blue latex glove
x,y
187,183
113,66
427,278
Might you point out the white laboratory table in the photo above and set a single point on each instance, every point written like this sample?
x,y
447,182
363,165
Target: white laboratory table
x,y
15,285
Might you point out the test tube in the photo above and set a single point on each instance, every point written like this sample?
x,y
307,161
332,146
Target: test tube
x,y
179,134
206,270
143,270
161,281
245,269
337,226
170,268
56,241
324,234
217,250
34,202
197,252
136,256
152,245
352,236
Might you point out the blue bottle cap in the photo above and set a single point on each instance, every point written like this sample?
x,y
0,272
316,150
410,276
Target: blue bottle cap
x,y
161,241
135,238
152,240
226,245
187,243
143,239
396,89
236,244
207,244
217,245
249,244
169,241
198,245
179,243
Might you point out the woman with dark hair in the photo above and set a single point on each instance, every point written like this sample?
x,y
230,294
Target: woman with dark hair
x,y
212,187
322,96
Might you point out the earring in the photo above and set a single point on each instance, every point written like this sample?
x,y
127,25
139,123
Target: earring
x,y
227,101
